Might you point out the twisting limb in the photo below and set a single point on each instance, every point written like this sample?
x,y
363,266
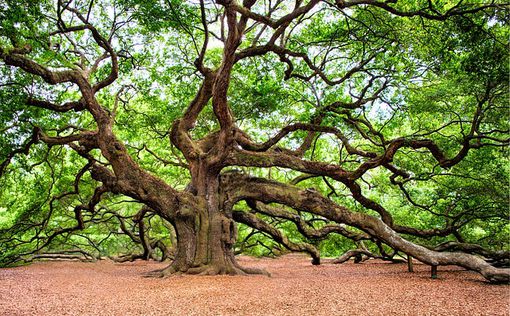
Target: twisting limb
x,y
23,150
16,57
269,192
257,223
102,41
496,258
298,11
303,226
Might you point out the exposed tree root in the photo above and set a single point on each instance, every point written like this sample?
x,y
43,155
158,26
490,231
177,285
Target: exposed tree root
x,y
163,273
207,269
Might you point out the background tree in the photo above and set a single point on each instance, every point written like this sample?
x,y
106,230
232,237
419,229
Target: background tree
x,y
383,122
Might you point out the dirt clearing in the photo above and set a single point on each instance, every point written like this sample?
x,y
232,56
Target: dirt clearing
x,y
295,288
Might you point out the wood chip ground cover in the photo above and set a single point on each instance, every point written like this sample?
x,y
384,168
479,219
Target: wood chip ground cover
x,y
295,288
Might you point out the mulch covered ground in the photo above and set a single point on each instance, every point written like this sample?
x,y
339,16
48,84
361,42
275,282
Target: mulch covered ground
x,y
295,288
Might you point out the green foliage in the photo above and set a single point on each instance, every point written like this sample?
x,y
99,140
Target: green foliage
x,y
436,74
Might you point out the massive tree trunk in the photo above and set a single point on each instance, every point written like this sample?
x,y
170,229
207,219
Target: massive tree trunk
x,y
205,240
206,232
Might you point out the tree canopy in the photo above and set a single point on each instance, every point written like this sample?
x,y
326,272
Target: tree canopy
x,y
195,130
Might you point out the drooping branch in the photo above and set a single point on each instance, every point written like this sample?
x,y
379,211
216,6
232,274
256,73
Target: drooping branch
x,y
361,254
71,254
267,191
303,226
142,238
66,107
358,255
259,224
34,138
496,258
46,240
15,57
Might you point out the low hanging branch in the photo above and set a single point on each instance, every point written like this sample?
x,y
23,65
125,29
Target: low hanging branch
x,y
362,254
253,221
142,238
304,227
74,254
270,191
496,258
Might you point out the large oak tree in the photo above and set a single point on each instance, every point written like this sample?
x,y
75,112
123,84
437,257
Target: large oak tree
x,y
209,114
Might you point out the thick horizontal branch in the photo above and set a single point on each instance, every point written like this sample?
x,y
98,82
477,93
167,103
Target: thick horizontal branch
x,y
305,228
276,158
86,136
12,58
267,191
473,249
66,107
